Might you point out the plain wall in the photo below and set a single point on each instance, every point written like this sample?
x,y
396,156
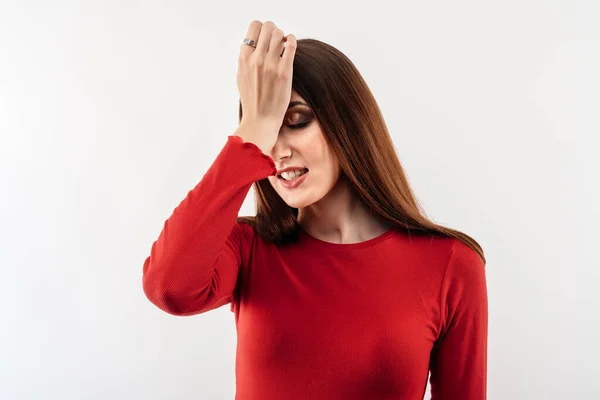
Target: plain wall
x,y
110,112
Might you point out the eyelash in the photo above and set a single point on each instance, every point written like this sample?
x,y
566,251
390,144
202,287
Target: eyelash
x,y
298,126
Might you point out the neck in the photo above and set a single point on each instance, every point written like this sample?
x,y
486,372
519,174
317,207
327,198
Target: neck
x,y
340,217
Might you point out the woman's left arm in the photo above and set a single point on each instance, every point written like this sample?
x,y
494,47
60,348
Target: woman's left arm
x,y
459,357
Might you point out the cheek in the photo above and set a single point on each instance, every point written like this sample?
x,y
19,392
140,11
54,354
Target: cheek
x,y
273,180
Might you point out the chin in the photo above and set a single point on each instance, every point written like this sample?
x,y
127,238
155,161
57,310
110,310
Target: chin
x,y
295,201
295,204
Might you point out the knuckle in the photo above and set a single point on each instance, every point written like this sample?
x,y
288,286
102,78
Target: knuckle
x,y
283,74
258,62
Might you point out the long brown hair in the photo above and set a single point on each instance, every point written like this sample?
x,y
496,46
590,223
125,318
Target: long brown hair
x,y
354,129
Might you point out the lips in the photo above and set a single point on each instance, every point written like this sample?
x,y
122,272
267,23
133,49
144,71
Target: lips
x,y
304,172
293,183
279,172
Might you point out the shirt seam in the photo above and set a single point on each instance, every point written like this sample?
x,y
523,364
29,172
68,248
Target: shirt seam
x,y
440,333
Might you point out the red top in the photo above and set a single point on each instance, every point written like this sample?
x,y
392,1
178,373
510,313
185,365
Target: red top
x,y
319,320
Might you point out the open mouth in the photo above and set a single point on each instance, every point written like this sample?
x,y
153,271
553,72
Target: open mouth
x,y
304,172
295,181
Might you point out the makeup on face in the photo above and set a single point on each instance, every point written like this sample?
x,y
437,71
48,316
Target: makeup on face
x,y
298,117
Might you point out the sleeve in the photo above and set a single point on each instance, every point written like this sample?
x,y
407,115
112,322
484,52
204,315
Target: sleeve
x,y
459,356
193,265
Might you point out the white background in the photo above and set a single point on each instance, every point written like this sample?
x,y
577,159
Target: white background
x,y
110,112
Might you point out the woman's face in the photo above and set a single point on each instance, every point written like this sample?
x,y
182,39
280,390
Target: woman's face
x,y
305,147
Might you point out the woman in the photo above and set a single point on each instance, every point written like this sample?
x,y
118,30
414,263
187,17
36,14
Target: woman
x,y
341,287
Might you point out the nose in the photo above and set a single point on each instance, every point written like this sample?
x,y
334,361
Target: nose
x,y
280,150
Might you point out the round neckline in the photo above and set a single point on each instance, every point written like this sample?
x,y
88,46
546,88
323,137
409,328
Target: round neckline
x,y
322,244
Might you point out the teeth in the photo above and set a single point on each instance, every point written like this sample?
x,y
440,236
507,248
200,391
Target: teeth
x,y
291,175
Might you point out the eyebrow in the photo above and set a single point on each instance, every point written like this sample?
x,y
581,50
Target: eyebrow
x,y
297,103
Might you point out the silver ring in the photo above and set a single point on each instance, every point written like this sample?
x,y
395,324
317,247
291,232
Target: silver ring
x,y
250,42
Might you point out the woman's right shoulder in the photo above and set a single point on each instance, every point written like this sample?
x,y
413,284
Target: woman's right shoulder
x,y
244,228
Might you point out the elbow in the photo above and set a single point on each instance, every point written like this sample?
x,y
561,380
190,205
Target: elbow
x,y
164,301
172,295
158,291
172,301
164,298
156,288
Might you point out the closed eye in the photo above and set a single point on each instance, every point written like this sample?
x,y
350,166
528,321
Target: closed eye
x,y
298,126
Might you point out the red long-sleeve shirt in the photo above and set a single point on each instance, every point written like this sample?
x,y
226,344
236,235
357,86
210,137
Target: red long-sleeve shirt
x,y
318,320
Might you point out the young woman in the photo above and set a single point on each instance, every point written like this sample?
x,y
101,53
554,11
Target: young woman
x,y
341,287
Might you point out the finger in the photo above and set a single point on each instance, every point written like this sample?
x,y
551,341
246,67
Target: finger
x,y
253,32
290,51
264,38
276,45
